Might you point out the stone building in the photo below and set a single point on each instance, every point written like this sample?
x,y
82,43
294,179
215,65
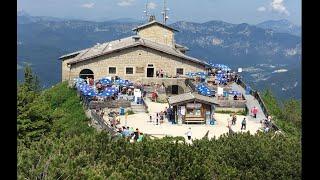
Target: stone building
x,y
135,58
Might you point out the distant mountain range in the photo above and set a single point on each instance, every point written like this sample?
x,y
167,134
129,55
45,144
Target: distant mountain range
x,y
41,40
281,26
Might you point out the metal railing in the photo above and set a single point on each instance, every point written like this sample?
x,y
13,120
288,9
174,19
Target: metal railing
x,y
190,84
97,117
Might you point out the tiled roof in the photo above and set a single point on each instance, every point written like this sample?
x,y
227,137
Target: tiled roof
x,y
190,96
132,41
154,22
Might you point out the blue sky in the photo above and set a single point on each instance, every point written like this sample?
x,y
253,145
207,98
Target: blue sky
x,y
232,11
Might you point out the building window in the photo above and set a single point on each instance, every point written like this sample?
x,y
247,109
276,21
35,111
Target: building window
x,y
179,71
129,70
112,70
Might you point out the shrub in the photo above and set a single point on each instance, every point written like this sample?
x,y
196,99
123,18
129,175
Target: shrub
x,y
130,112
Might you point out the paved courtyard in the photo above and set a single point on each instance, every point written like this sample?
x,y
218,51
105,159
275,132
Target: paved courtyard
x,y
141,121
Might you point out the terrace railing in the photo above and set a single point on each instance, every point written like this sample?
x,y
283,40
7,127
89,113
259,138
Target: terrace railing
x,y
97,117
190,84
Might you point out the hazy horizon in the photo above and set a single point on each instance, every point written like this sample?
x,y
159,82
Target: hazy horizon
x,y
235,12
129,18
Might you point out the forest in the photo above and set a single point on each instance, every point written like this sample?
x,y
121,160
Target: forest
x,y
55,142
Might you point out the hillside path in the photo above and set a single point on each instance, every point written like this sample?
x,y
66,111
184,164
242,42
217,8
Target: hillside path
x,y
251,102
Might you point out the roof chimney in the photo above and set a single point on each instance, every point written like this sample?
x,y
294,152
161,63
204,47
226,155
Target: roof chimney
x,y
152,18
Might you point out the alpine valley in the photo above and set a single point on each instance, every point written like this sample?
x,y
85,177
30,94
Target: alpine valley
x,y
269,53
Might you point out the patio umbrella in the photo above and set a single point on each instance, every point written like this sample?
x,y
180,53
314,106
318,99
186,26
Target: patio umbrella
x,y
105,81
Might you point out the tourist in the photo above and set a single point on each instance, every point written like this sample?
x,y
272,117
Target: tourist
x,y
144,93
150,118
161,117
234,119
269,119
87,80
130,130
161,73
165,112
124,131
254,111
117,120
140,137
136,134
120,130
243,124
162,87
91,81
157,74
157,117
189,134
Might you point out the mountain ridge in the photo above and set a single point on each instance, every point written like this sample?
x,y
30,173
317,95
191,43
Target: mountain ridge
x,y
41,42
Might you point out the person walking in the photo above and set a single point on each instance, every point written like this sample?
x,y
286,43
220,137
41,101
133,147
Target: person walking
x,y
243,124
234,119
189,134
254,111
157,116
150,118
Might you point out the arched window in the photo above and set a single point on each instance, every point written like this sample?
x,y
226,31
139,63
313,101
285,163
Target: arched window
x,y
84,73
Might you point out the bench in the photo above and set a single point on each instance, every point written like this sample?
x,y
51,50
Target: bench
x,y
194,119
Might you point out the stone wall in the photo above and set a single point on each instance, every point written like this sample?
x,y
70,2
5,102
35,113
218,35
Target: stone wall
x,y
232,103
136,57
230,109
110,104
158,34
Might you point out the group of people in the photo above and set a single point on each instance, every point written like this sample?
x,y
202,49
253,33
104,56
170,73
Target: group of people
x,y
267,124
89,81
159,117
114,119
130,134
160,74
233,120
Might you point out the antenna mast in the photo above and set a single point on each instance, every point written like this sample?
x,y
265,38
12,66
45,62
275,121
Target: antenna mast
x,y
146,12
165,12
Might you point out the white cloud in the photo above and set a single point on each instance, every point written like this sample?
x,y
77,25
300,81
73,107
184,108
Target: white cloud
x,y
125,2
88,5
262,9
278,6
152,5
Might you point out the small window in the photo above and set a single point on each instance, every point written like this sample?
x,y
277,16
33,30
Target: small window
x,y
129,70
180,71
150,65
112,70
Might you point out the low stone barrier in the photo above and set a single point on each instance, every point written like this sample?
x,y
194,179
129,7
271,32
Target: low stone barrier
x,y
232,103
110,104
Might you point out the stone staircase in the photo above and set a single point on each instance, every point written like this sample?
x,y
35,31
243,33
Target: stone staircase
x,y
138,108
